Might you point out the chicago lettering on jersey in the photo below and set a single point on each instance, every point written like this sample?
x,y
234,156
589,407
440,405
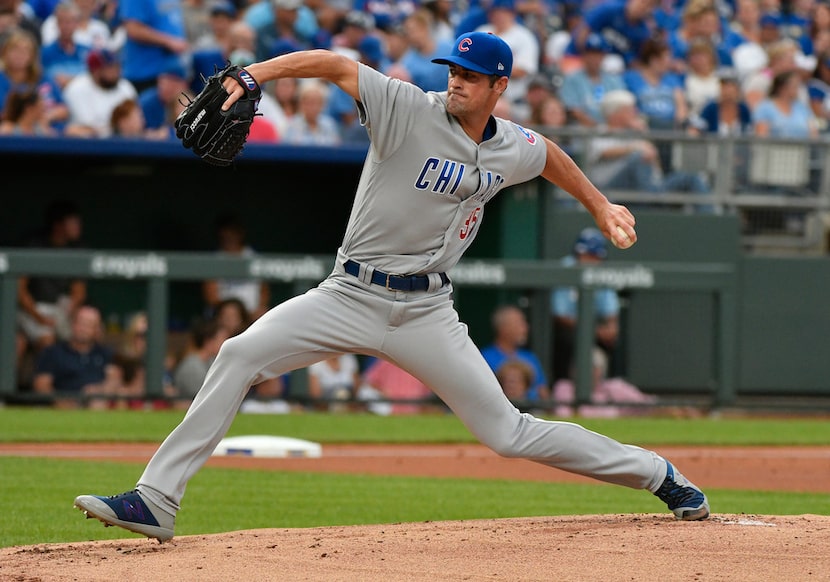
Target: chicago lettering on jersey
x,y
440,176
444,177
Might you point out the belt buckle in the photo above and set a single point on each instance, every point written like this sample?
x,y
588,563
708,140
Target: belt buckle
x,y
388,281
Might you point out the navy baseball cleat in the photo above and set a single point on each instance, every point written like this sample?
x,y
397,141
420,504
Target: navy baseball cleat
x,y
682,496
131,511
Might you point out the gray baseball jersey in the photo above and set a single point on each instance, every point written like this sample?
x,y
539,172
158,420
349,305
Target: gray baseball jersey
x,y
424,185
419,202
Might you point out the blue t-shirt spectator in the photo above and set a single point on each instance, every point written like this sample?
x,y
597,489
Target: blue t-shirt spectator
x,y
141,61
565,300
424,73
795,124
495,358
624,37
72,370
656,102
58,62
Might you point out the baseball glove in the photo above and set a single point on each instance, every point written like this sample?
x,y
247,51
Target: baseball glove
x,y
218,136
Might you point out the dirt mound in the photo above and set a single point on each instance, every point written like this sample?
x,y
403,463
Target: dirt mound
x,y
639,548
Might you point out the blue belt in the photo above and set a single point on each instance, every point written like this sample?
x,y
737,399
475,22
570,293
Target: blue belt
x,y
395,282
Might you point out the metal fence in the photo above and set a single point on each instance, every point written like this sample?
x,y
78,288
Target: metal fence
x,y
780,188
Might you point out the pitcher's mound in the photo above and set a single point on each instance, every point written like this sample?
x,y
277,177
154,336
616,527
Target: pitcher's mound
x,y
605,548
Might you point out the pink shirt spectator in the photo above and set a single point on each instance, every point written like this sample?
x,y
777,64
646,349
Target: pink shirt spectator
x,y
396,384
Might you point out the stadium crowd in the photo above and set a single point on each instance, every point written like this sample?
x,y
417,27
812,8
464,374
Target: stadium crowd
x,y
103,68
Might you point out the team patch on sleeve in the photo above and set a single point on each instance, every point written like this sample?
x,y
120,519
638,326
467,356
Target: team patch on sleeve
x,y
529,135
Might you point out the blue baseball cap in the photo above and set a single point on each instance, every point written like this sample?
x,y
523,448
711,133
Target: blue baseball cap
x,y
591,242
594,42
481,52
770,19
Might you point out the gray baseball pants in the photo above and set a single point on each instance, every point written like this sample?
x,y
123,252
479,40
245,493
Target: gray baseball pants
x,y
418,331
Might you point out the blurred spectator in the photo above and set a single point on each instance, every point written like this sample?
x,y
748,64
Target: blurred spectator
x,y
272,111
444,19
795,23
306,27
354,27
156,39
334,381
24,114
40,9
750,56
341,106
93,95
385,380
242,43
79,367
328,15
130,361
820,28
206,337
63,59
196,14
90,31
268,397
550,113
658,90
589,248
232,241
156,102
16,16
783,114
610,397
516,379
503,108
623,157
702,21
503,22
423,48
386,13
20,71
232,316
623,24
510,332
781,57
311,125
47,304
396,45
728,114
701,83
277,35
539,88
128,121
582,89
213,48
746,21
287,95
818,89
559,49
222,16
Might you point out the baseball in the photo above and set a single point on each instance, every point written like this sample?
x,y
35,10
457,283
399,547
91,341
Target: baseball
x,y
624,241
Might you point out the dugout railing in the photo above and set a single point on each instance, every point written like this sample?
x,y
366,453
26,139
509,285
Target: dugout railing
x,y
780,188
155,271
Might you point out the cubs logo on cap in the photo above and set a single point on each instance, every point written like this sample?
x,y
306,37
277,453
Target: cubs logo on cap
x,y
482,52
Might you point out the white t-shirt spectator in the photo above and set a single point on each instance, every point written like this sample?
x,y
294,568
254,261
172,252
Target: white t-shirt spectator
x,y
91,105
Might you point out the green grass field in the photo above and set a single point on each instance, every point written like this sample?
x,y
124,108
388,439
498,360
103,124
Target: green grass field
x,y
36,494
